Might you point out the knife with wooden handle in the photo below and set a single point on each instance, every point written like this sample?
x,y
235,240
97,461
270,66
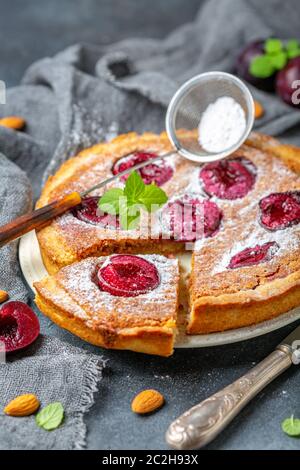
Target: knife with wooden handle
x,y
40,218
201,424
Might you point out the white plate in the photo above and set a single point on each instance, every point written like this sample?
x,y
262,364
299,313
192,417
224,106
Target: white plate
x,y
33,270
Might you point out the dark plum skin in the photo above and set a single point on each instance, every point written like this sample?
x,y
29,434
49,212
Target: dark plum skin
x,y
191,218
152,173
253,256
88,212
285,79
242,65
230,178
280,210
128,276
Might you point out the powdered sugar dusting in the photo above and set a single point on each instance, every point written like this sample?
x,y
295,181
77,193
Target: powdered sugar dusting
x,y
241,216
288,240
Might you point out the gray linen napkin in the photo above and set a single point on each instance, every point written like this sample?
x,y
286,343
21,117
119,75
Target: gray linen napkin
x,y
87,94
15,200
54,371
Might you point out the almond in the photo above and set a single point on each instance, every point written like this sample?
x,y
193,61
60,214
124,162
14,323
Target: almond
x,y
13,122
24,405
3,296
258,110
147,401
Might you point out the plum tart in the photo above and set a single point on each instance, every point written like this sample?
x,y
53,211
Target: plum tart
x,y
241,220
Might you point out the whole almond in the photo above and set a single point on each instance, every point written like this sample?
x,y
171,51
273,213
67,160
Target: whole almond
x,y
147,401
13,122
258,110
3,296
24,405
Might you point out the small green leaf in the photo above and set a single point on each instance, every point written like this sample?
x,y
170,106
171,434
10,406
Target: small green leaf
x,y
278,60
293,53
261,67
292,45
134,186
50,417
273,46
110,201
291,426
153,197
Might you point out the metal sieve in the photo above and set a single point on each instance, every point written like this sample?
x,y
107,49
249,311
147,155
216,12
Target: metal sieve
x,y
189,103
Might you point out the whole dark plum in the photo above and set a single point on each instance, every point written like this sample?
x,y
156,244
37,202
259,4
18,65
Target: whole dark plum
x,y
284,81
244,60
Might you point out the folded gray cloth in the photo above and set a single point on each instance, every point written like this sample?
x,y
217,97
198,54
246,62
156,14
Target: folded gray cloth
x,y
15,200
53,371
87,94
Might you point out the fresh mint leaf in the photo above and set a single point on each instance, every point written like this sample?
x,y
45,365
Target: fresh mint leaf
x,y
273,46
110,201
50,417
261,67
153,197
292,45
127,203
134,187
278,60
129,214
129,217
291,426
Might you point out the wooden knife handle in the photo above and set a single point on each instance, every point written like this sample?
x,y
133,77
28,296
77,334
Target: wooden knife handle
x,y
37,219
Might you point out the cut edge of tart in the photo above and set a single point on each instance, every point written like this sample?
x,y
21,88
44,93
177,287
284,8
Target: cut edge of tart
x,y
210,314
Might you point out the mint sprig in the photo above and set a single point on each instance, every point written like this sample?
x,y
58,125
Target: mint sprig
x,y
128,202
275,57
291,426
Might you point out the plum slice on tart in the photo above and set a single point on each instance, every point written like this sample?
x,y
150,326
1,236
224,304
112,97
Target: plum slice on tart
x,y
254,255
127,276
190,217
280,210
159,172
231,178
89,212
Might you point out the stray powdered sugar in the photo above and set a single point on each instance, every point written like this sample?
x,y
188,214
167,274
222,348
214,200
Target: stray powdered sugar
x,y
222,125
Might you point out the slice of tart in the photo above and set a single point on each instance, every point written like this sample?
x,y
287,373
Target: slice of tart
x,y
117,302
